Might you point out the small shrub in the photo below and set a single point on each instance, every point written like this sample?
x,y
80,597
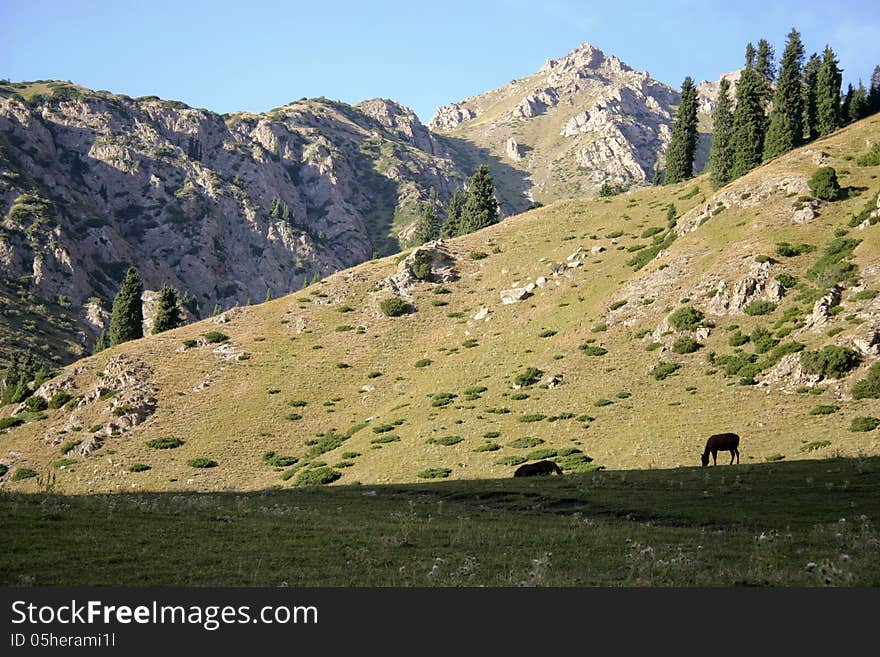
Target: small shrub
x,y
394,307
526,442
864,295
297,403
202,462
528,377
62,463
686,318
488,447
318,476
293,417
434,473
650,232
169,442
423,362
215,336
815,445
786,280
774,457
350,455
824,409
95,428
664,369
345,308
531,417
760,307
737,339
278,460
35,404
139,467
832,360
685,345
867,388
547,333
68,446
445,440
475,390
864,424
10,422
787,250
24,473
599,328
617,304
382,440
510,460
520,396
871,158
824,185
190,343
59,399
653,346
491,434
541,454
470,343
593,350
441,399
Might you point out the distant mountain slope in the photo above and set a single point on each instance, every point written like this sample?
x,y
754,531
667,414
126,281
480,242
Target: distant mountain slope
x,y
581,120
616,332
225,208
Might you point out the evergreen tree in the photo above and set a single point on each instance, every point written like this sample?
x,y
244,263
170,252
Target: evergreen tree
x,y
683,145
858,106
268,294
721,153
168,315
766,68
126,320
749,121
828,81
452,227
100,343
217,309
427,225
480,208
786,129
811,70
874,91
845,103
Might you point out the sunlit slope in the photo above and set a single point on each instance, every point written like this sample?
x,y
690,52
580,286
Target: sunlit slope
x,y
325,378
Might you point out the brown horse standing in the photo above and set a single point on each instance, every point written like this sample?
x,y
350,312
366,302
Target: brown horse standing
x,y
539,468
721,442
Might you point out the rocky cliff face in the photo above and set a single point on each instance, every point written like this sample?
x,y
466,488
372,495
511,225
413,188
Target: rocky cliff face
x,y
225,208
581,120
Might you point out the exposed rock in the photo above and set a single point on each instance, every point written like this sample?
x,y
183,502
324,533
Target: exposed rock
x,y
541,281
819,158
512,149
788,375
597,249
429,262
821,314
558,268
757,284
514,295
868,341
88,446
552,380
482,313
709,92
805,214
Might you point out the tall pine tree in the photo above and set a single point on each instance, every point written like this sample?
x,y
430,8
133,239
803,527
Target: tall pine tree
x,y
683,145
811,70
126,320
786,129
766,68
721,153
452,227
168,315
858,103
427,225
480,208
749,121
828,81
874,91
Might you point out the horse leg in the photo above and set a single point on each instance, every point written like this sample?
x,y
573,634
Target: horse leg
x,y
714,457
737,457
731,456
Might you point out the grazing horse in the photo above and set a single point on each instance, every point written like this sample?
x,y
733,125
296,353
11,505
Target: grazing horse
x,y
539,468
721,442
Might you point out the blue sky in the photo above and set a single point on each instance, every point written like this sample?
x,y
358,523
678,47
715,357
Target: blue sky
x,y
255,55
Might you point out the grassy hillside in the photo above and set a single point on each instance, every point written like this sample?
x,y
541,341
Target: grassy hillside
x,y
805,523
322,386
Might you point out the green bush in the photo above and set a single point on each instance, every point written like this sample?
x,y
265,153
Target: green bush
x,y
520,396
774,457
35,404
650,232
190,343
686,318
68,445
318,476
763,340
62,463
832,360
869,387
602,402
278,460
824,409
59,399
445,440
531,417
786,280
547,333
488,447
477,255
297,403
169,442
513,459
394,307
664,369
423,362
787,250
599,328
593,350
24,473
824,185
685,345
832,267
382,440
759,307
215,336
434,473
738,339
871,158
138,467
528,377
864,295
864,424
9,422
527,442
470,343
202,462
541,454
617,304
491,434
441,399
